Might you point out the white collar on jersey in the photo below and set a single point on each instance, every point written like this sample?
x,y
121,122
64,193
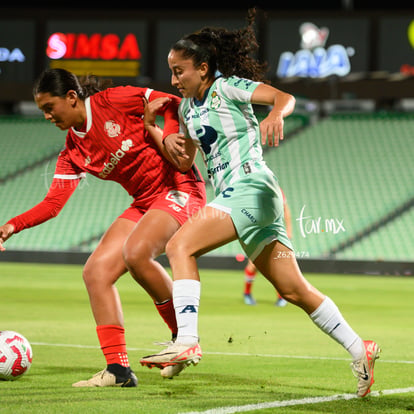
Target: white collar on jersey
x,y
81,134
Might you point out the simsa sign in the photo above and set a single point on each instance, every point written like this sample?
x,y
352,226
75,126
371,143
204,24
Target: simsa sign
x,y
96,46
110,50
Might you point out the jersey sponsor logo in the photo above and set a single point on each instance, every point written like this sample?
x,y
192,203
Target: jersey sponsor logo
x,y
202,114
112,129
115,158
207,136
217,168
177,197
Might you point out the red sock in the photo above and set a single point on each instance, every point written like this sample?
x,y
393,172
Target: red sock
x,y
167,312
248,281
113,344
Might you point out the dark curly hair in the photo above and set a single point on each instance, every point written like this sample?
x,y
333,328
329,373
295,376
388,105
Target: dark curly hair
x,y
229,52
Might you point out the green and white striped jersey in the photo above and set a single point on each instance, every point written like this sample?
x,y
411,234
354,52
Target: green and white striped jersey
x,y
226,130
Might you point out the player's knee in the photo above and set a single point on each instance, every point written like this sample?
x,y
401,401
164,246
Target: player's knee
x,y
136,253
299,296
290,296
90,273
178,247
101,271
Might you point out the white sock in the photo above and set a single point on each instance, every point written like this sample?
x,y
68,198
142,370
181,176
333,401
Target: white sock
x,y
330,320
186,298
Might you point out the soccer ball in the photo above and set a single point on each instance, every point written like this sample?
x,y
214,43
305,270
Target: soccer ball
x,y
15,355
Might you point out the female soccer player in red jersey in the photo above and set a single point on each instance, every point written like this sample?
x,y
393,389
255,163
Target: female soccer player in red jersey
x,y
106,138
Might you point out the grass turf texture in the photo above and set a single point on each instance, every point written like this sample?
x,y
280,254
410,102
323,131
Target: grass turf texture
x,y
252,354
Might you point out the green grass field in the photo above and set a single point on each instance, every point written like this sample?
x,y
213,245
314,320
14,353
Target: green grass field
x,y
252,355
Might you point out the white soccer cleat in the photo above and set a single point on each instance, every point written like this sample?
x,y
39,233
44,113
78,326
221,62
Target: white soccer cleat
x,y
172,370
363,368
105,378
174,354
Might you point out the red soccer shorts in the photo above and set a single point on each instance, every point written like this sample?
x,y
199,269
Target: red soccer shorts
x,y
181,203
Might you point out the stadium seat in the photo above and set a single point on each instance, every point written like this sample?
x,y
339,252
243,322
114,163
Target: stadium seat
x,y
341,175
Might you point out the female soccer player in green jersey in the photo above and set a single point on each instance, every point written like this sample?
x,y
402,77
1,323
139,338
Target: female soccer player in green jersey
x,y
216,115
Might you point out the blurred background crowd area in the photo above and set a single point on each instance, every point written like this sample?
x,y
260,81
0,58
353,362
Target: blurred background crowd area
x,y
345,166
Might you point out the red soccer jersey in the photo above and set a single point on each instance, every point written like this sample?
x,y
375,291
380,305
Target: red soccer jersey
x,y
115,146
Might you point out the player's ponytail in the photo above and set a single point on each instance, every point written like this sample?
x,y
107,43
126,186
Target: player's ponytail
x,y
92,84
58,82
226,51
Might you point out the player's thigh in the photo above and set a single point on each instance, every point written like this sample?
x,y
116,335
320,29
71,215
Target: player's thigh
x,y
149,237
106,261
206,230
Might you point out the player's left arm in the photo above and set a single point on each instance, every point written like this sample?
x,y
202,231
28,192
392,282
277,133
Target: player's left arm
x,y
283,104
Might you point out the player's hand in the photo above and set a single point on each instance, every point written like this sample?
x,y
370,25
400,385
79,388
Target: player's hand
x,y
6,230
175,146
271,129
151,109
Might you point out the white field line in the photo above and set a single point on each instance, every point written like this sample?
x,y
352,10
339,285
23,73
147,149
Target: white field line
x,y
302,401
308,357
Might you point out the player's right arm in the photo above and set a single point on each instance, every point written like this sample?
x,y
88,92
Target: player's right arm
x,y
283,104
175,148
62,187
